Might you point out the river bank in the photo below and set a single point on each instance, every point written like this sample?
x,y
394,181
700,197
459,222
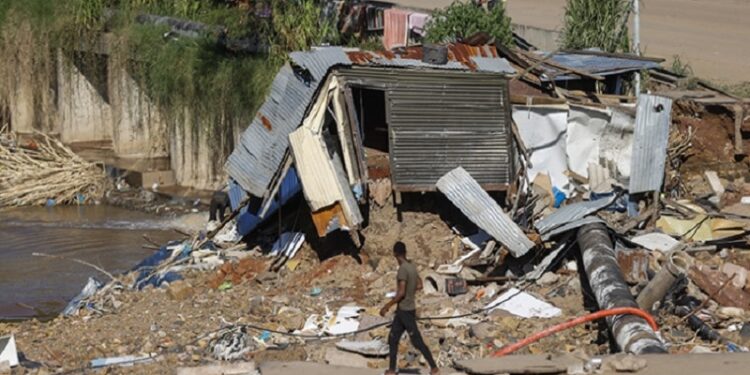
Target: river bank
x,y
112,238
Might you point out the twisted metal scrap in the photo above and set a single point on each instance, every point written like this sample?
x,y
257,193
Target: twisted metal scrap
x,y
45,170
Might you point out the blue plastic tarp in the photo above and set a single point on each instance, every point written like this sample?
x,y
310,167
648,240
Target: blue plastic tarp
x,y
290,186
145,268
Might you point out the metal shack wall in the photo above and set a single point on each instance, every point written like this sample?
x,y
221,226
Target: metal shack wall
x,y
441,119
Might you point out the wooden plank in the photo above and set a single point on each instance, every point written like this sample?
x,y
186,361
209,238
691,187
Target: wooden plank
x,y
323,217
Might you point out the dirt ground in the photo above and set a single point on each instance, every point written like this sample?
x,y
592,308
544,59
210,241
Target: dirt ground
x,y
710,35
173,322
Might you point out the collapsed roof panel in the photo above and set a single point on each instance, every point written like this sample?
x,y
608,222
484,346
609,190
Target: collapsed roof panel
x,y
459,186
262,147
602,64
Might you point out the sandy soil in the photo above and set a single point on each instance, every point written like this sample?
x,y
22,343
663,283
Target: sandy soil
x,y
711,35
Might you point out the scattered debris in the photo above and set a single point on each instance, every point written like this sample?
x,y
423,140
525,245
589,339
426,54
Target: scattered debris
x,y
8,351
522,304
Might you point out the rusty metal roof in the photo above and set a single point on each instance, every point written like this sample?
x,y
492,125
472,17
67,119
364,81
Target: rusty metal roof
x,y
460,57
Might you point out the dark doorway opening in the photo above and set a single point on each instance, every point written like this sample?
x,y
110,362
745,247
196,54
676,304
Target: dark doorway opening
x,y
371,113
370,107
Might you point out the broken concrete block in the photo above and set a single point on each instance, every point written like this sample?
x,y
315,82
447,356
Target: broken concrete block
x,y
739,273
548,278
714,182
626,363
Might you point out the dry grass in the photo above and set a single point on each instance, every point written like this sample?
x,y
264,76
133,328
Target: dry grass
x,y
46,169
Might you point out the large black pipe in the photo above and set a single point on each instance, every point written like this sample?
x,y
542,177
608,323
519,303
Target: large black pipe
x,y
631,333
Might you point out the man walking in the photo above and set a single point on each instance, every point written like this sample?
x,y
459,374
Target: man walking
x,y
406,315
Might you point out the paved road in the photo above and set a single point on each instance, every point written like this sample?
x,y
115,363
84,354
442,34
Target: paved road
x,y
712,35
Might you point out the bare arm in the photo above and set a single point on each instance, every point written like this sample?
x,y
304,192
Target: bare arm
x,y
400,294
420,285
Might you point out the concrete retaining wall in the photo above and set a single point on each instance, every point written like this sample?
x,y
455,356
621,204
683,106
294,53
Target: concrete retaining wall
x,y
125,117
545,40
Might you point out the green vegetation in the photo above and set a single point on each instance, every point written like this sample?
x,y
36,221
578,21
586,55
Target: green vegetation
x,y
599,24
462,20
196,77
741,89
680,67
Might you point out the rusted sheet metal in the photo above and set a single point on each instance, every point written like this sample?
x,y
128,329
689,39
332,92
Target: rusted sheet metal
x,y
460,57
634,265
650,141
326,216
710,281
480,208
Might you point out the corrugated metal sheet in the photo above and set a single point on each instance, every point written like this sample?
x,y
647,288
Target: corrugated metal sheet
x,y
319,180
439,120
601,64
261,149
571,213
570,226
493,65
651,138
459,186
236,194
290,186
324,181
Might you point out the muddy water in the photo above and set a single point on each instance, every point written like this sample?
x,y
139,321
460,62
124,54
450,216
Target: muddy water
x,y
106,236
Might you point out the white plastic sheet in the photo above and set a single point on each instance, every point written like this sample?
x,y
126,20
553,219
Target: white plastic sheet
x,y
585,128
8,350
543,131
597,135
524,305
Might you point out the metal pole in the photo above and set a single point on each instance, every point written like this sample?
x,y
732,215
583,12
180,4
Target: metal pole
x,y
632,333
637,41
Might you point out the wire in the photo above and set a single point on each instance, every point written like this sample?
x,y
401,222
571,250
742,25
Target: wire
x,y
508,349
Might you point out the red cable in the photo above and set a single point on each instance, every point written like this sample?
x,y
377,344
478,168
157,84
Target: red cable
x,y
574,322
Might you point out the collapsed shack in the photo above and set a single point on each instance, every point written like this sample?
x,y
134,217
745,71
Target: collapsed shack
x,y
407,117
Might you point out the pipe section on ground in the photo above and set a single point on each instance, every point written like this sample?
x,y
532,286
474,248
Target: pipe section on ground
x,y
674,267
631,333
